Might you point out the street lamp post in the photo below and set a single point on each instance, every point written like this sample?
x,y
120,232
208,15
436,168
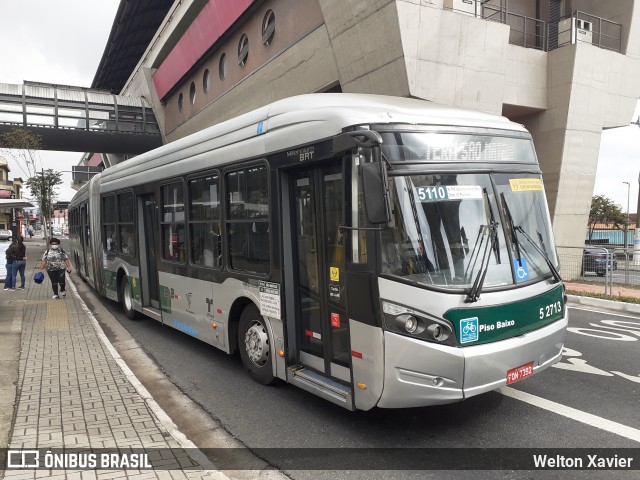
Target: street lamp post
x,y
626,225
636,236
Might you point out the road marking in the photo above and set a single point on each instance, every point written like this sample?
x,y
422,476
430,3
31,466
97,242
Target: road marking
x,y
573,413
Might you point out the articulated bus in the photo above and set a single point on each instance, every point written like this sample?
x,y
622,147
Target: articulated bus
x,y
372,250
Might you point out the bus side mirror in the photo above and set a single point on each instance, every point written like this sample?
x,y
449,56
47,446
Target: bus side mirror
x,y
376,192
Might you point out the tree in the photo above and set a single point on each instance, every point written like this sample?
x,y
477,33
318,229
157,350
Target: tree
x,y
43,188
22,145
604,211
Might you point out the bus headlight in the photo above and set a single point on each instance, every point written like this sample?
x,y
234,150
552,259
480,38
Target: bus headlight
x,y
437,332
408,322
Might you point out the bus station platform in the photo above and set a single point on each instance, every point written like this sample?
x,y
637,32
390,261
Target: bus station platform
x,y
65,388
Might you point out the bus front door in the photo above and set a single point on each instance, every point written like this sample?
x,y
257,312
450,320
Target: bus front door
x,y
319,279
148,256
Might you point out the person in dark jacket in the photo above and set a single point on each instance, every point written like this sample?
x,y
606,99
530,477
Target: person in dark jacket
x,y
18,252
9,267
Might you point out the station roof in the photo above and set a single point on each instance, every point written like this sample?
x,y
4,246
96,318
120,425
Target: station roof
x,y
15,203
134,26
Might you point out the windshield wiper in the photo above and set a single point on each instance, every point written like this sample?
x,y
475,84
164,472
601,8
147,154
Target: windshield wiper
x,y
474,293
554,270
514,229
492,244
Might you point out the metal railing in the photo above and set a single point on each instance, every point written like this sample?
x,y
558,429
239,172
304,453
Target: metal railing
x,y
583,27
525,31
599,269
531,32
74,108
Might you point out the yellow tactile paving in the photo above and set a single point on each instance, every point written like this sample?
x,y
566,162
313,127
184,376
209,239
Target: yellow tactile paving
x,y
57,316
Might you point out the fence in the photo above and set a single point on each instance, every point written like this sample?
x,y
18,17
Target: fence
x,y
531,32
600,267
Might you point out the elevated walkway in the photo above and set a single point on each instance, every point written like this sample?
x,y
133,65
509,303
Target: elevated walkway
x,y
77,119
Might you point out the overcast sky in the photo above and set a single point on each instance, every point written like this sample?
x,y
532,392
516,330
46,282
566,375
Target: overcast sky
x,y
53,41
62,42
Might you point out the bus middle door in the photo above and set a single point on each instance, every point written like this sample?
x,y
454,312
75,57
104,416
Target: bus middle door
x,y
322,327
149,234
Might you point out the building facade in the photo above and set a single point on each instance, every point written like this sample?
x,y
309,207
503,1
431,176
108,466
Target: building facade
x,y
9,189
566,69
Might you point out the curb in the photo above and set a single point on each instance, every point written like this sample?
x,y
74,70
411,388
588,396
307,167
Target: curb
x,y
601,303
191,449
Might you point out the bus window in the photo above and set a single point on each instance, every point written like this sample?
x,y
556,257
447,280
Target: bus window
x,y
172,223
126,239
439,231
204,221
248,219
109,223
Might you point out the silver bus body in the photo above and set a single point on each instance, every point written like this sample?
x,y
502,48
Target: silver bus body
x,y
386,367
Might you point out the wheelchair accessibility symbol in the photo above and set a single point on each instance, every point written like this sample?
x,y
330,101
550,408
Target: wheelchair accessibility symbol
x,y
521,269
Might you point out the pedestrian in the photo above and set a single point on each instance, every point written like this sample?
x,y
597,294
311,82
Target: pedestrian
x,y
18,250
55,260
30,233
9,266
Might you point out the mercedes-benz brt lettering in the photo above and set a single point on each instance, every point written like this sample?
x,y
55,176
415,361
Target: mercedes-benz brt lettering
x,y
375,251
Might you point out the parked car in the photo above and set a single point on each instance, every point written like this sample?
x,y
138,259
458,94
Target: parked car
x,y
56,232
594,260
5,234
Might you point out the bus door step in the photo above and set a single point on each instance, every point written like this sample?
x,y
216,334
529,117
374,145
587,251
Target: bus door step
x,y
152,313
322,386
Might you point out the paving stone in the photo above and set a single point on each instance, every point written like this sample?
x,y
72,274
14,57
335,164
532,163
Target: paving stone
x,y
72,393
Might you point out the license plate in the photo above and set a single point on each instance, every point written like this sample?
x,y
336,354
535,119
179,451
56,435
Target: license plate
x,y
519,373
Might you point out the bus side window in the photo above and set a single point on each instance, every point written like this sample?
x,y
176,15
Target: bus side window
x,y
204,221
172,222
247,223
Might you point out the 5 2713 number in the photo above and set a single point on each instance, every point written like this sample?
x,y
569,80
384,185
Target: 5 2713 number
x,y
551,309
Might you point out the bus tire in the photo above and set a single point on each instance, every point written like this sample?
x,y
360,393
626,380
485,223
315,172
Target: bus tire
x,y
254,344
127,300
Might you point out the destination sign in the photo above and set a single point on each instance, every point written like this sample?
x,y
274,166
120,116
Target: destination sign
x,y
442,147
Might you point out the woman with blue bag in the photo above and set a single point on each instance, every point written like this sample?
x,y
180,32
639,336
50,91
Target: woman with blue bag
x,y
54,260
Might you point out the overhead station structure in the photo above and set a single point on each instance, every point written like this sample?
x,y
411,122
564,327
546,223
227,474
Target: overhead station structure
x,y
566,69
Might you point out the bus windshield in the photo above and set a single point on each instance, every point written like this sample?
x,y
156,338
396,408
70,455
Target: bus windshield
x,y
440,232
527,223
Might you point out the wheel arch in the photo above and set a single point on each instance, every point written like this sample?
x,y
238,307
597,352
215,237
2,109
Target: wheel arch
x,y
122,273
235,312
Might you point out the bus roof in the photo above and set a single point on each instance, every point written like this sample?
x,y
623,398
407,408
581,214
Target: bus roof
x,y
304,118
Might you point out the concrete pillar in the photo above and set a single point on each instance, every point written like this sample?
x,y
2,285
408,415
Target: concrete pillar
x,y
367,45
588,89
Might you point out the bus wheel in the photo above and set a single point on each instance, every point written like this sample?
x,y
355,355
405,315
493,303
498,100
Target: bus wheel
x,y
255,346
127,300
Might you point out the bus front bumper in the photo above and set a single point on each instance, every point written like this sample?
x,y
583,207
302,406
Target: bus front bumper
x,y
421,373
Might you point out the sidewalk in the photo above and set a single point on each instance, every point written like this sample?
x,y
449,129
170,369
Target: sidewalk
x,y
618,290
70,389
